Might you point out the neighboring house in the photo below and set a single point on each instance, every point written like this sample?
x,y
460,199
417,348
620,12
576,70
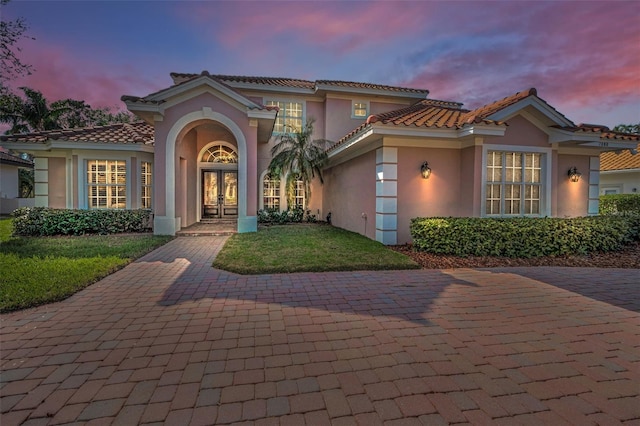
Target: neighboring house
x,y
620,171
203,151
10,182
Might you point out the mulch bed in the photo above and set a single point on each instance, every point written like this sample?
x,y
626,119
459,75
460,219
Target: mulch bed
x,y
629,257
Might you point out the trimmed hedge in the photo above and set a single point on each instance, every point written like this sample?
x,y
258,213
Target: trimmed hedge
x,y
620,204
523,237
42,221
277,217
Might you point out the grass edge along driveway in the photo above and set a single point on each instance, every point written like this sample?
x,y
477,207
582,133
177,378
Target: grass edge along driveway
x,y
40,270
306,248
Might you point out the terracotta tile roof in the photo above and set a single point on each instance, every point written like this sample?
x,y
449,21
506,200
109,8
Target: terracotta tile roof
x,y
180,78
620,160
428,113
606,132
489,109
6,158
421,114
356,85
132,133
450,115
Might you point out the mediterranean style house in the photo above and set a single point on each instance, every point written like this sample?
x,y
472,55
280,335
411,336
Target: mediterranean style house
x,y
202,150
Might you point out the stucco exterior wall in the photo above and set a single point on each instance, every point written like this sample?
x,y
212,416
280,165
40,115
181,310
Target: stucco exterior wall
x,y
380,107
572,197
470,181
314,204
9,190
8,181
134,182
625,181
338,118
338,114
75,189
315,110
57,183
350,191
437,196
187,179
521,132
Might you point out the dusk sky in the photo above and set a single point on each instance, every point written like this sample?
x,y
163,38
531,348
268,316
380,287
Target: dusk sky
x,y
583,57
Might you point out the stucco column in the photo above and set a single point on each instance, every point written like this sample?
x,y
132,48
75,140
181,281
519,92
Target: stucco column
x,y
387,195
594,186
41,181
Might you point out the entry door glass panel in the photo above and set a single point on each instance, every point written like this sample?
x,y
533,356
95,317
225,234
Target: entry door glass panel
x,y
230,188
210,194
210,188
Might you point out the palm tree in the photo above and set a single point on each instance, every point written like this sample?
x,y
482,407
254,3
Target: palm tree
x,y
33,113
299,158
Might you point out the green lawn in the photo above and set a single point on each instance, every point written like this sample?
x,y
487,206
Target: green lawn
x,y
38,270
306,248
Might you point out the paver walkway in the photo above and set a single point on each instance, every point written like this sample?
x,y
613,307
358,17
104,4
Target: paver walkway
x,y
169,339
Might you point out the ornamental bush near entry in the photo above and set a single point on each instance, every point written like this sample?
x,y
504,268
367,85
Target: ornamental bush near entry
x,y
274,216
523,237
43,221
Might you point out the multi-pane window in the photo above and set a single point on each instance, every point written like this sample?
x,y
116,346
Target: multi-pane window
x,y
359,109
289,118
271,192
299,196
107,184
514,184
220,154
145,182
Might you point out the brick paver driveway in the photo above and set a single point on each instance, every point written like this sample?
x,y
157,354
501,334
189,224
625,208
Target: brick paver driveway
x,y
168,339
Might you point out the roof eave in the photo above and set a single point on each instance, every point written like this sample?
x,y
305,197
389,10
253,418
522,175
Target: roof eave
x,y
588,139
482,129
372,92
534,101
618,171
269,88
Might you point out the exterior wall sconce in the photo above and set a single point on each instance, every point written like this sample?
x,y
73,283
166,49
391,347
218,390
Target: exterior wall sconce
x,y
425,170
574,174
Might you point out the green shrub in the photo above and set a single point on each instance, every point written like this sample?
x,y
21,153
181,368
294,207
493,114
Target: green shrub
x,y
42,221
523,237
620,204
274,216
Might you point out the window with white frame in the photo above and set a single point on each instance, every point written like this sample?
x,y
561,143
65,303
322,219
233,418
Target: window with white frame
x,y
107,184
289,119
299,196
359,109
220,154
514,184
271,192
145,184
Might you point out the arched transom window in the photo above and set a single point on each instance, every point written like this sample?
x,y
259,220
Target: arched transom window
x,y
220,154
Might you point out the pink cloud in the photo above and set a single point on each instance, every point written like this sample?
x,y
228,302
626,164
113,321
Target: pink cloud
x,y
340,27
572,55
61,73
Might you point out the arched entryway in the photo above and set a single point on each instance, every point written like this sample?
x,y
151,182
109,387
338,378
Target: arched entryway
x,y
218,169
178,174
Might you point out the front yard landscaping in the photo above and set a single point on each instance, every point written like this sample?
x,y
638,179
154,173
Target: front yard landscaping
x,y
39,270
306,248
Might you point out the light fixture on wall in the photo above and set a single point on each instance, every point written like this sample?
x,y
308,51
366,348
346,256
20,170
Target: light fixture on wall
x,y
425,170
574,174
